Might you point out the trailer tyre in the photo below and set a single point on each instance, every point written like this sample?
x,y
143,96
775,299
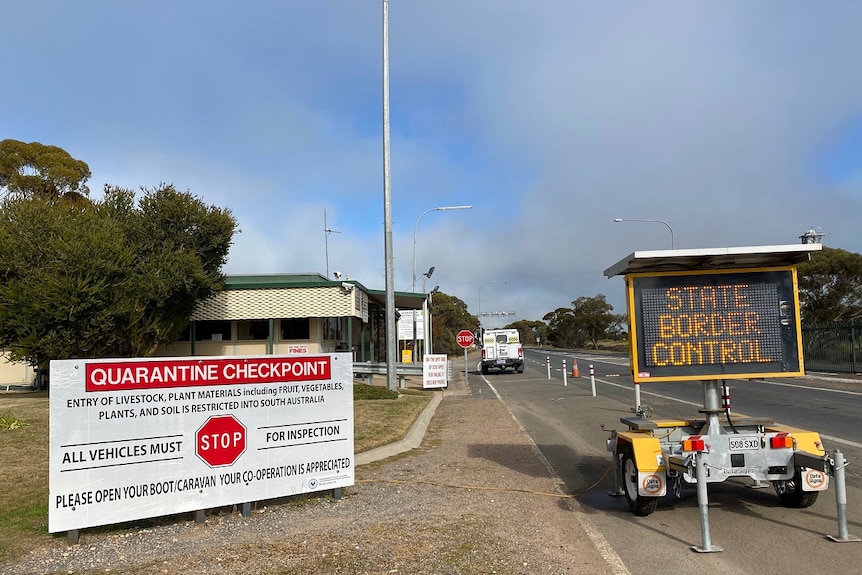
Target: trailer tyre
x,y
790,492
640,505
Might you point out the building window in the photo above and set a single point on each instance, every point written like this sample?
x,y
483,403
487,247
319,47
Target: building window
x,y
212,331
332,328
252,329
295,329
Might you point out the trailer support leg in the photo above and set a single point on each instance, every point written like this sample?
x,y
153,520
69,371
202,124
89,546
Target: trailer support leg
x,y
703,505
618,478
841,500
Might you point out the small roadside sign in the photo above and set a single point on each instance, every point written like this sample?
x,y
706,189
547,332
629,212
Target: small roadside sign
x,y
465,338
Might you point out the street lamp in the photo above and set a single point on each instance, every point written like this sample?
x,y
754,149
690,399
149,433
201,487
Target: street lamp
x,y
652,221
427,276
415,227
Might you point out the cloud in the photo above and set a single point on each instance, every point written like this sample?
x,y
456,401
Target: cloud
x,y
736,123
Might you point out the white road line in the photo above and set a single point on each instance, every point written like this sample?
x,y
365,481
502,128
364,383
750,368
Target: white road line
x,y
614,561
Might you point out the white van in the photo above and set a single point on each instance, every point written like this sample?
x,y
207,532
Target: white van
x,y
501,349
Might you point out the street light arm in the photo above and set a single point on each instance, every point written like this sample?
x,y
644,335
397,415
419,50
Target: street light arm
x,y
416,227
672,243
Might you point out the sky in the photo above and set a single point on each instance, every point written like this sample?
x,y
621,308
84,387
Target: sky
x,y
736,123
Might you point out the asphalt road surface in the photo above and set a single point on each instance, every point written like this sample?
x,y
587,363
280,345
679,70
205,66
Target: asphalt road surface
x,y
757,534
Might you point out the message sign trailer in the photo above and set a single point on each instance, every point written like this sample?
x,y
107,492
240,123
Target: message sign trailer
x,y
715,314
139,438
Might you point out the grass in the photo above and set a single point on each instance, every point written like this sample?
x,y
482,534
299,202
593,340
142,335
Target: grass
x,y
380,417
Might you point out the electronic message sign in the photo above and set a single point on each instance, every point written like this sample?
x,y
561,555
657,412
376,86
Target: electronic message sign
x,y
726,324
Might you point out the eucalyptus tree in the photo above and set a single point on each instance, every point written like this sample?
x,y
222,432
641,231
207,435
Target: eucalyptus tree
x,y
34,170
108,278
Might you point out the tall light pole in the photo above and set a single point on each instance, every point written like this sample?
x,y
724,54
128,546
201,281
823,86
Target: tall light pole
x,y
651,221
415,227
391,336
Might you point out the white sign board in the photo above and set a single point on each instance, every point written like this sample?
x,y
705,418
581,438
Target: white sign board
x,y
138,438
435,371
409,318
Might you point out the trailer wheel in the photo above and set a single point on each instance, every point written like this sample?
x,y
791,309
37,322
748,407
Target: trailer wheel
x,y
790,492
639,504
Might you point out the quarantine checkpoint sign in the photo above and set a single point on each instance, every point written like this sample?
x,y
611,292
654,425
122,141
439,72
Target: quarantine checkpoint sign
x,y
138,438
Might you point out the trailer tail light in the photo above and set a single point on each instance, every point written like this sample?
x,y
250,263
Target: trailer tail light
x,y
781,441
693,443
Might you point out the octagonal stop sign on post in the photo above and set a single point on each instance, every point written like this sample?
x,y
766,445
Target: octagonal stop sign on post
x,y
220,440
465,338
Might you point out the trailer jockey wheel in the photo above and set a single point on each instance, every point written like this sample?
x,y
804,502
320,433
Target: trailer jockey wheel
x,y
639,504
790,492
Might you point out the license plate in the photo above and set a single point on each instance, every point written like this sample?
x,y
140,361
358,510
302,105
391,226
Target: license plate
x,y
501,361
744,443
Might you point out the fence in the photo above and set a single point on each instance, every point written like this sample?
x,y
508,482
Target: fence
x,y
833,347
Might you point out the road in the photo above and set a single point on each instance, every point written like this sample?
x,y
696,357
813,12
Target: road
x,y
570,427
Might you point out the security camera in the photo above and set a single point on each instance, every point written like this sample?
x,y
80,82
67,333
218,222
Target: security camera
x,y
337,275
346,286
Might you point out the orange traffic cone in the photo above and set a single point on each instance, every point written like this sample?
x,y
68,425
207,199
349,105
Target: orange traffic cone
x,y
575,371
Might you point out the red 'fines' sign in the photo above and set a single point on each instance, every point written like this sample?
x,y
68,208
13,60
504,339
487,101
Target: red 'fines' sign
x,y
114,376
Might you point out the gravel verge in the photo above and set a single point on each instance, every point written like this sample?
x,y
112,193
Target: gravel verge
x,y
475,497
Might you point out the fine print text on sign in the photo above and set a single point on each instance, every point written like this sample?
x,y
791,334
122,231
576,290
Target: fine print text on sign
x,y
139,438
435,371
715,325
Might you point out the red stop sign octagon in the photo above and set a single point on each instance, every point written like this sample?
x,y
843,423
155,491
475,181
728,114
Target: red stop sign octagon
x,y
465,338
220,440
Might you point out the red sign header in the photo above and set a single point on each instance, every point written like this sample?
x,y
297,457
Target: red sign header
x,y
115,376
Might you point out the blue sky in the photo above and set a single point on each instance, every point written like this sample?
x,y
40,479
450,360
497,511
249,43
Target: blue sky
x,y
739,123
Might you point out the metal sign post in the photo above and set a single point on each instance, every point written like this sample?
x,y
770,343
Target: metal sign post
x,y
465,339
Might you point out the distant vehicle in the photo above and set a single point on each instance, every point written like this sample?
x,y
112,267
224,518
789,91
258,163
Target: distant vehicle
x,y
501,349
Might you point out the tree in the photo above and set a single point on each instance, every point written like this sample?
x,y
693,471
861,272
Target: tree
x,y
530,330
561,328
449,316
37,171
586,322
105,279
830,286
